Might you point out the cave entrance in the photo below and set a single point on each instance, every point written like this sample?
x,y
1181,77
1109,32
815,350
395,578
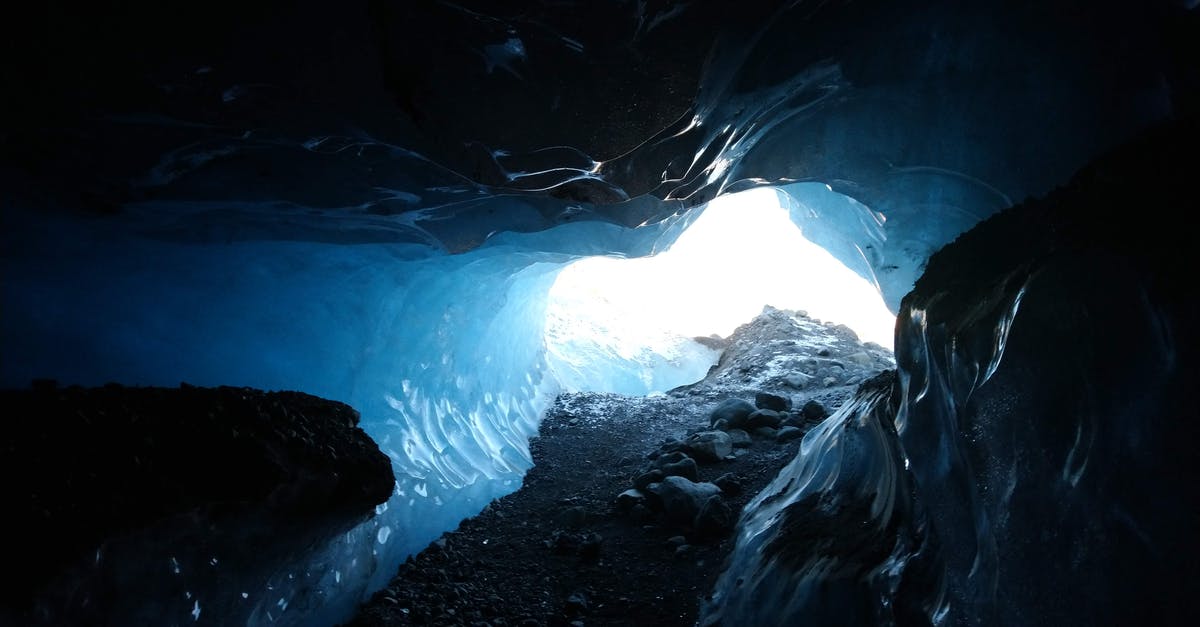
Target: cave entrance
x,y
629,325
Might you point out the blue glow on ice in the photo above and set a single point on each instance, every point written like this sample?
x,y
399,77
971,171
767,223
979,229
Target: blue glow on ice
x,y
443,354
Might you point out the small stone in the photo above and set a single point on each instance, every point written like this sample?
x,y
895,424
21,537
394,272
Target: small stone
x,y
824,352
829,382
577,603
563,543
589,547
677,540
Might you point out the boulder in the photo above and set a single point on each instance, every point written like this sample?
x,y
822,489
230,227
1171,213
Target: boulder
x,y
739,438
182,473
813,410
763,418
685,467
765,400
787,434
710,446
733,411
681,499
715,517
764,432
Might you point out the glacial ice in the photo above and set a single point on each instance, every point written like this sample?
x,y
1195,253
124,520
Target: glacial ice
x,y
443,354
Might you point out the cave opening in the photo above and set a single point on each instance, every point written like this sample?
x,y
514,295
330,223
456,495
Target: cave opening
x,y
644,325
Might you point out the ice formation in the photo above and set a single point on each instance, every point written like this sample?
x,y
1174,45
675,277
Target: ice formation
x,y
444,355
217,215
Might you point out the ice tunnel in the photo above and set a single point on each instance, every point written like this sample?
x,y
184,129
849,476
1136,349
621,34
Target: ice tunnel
x,y
384,203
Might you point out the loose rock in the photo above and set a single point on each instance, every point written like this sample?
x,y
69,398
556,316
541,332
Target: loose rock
x,y
733,411
710,446
766,400
788,434
681,499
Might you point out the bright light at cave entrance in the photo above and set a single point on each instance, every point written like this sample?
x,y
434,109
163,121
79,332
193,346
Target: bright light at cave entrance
x,y
742,253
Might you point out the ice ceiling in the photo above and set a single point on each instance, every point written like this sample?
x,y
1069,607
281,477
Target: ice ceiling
x,y
371,203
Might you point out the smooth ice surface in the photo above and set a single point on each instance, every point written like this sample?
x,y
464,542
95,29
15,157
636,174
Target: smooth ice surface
x,y
441,354
626,325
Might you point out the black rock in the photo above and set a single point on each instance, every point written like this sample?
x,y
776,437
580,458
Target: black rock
x,y
729,484
681,499
577,603
685,467
183,470
765,400
589,546
714,518
629,499
733,411
813,410
788,434
764,432
642,481
763,418
710,446
740,438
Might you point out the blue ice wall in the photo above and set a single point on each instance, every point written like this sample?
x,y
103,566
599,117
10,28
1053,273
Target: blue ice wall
x,y
442,354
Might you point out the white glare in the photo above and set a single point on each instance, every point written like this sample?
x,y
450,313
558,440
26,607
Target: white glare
x,y
742,253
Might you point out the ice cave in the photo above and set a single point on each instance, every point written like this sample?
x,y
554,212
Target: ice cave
x,y
289,289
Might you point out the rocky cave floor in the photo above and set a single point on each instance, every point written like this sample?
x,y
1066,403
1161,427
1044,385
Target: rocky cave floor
x,y
578,545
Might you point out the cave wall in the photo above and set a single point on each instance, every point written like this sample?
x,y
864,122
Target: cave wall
x,y
1032,463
